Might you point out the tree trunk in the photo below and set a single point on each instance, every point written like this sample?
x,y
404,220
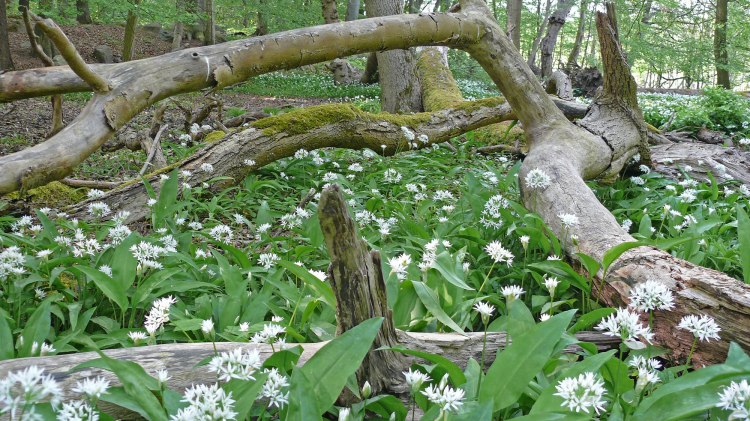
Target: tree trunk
x,y
261,27
209,31
556,22
6,61
370,74
514,22
398,82
573,57
177,36
541,29
330,13
352,10
721,55
83,14
128,43
23,4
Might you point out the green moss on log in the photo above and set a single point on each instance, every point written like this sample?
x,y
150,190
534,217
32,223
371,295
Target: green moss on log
x,y
53,195
214,136
440,91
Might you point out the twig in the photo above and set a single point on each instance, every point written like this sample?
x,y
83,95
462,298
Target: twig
x,y
487,150
71,55
154,146
91,184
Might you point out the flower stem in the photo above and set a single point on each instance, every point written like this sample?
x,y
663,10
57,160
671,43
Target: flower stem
x,y
690,356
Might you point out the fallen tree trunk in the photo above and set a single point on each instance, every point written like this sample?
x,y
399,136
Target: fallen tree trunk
x,y
699,160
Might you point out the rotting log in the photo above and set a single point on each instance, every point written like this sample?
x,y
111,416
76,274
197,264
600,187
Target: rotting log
x,y
181,360
699,160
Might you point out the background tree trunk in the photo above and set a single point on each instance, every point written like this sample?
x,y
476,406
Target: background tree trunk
x,y
6,61
22,4
330,13
721,56
514,22
399,84
556,22
540,30
209,32
83,14
573,57
352,10
261,27
128,43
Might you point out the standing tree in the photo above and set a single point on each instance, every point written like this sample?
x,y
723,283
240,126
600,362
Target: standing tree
x,y
399,84
540,30
514,22
6,61
209,31
83,13
721,56
128,43
573,57
556,22
352,10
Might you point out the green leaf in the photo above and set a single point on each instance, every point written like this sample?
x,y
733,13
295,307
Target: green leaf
x,y
644,228
743,235
124,264
244,393
548,402
562,269
323,289
615,252
164,207
432,303
590,318
454,372
6,338
36,330
315,386
446,265
520,362
688,403
106,285
135,381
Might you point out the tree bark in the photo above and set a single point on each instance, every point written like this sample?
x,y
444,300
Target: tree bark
x,y
400,90
514,22
556,22
128,43
541,29
6,61
177,36
573,57
721,55
209,32
352,10
261,27
330,12
83,13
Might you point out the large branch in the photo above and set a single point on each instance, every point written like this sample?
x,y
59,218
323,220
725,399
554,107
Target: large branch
x,y
136,85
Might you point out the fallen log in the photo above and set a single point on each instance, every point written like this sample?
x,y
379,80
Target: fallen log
x,y
699,160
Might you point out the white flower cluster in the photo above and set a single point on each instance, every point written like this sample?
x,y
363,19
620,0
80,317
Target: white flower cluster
x,y
736,398
21,389
646,370
702,327
582,393
11,262
651,295
147,254
512,292
236,364
498,253
626,325
99,209
537,179
294,219
273,389
392,176
83,246
159,314
430,253
491,216
206,403
444,396
267,260
269,334
399,265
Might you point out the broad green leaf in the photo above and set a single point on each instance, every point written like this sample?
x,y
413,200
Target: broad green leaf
x,y
124,264
588,319
446,265
323,289
560,268
743,236
135,381
548,402
315,386
106,285
454,372
520,362
644,228
557,416
164,206
592,265
37,328
244,393
688,403
6,338
432,303
615,252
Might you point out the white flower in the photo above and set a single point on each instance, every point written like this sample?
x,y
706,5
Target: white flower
x,y
21,389
484,309
159,314
73,411
93,388
162,376
272,389
444,396
222,233
568,219
236,364
638,181
651,295
537,179
267,260
736,398
399,265
249,162
356,167
94,194
392,176
244,326
644,169
99,209
43,254
498,253
146,254
345,413
207,326
544,317
703,327
206,403
151,202
330,177
118,234
318,274
582,393
137,336
512,292
268,335
626,325
524,239
415,379
408,134
551,283
207,168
